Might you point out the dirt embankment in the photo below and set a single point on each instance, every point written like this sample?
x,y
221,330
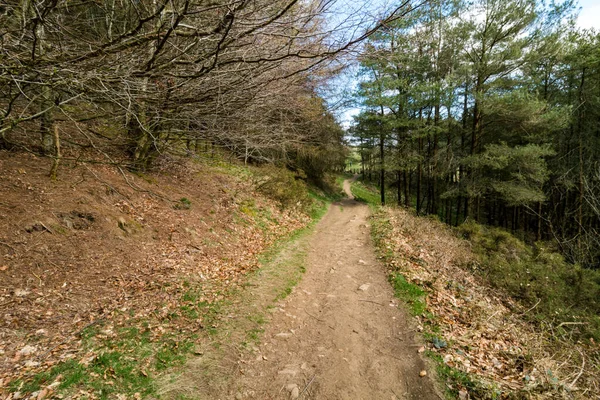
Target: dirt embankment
x,y
102,247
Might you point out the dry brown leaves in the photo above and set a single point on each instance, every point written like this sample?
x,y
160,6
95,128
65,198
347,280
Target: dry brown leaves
x,y
486,336
130,260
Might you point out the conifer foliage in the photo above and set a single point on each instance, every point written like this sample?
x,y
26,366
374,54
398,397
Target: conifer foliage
x,y
488,110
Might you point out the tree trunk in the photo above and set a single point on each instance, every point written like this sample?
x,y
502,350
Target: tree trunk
x,y
382,170
406,189
57,154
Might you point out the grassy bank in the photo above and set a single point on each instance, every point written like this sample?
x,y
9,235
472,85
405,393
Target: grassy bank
x,y
492,310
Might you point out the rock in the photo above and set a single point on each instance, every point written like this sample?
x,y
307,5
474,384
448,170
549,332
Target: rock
x,y
422,373
28,350
123,225
41,332
290,386
35,227
283,335
68,223
421,349
364,287
238,396
32,364
295,393
287,371
21,292
362,262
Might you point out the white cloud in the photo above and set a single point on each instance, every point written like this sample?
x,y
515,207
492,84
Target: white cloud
x,y
589,17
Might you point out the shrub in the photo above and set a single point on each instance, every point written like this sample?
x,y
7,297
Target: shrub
x,y
538,276
284,186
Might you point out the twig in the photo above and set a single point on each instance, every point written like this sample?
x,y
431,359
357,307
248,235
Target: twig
x,y
307,385
374,302
580,371
320,320
491,316
45,227
105,183
139,189
9,246
7,303
40,279
571,323
195,247
534,306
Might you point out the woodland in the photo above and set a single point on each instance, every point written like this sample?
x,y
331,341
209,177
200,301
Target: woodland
x,y
482,110
156,156
487,111
124,81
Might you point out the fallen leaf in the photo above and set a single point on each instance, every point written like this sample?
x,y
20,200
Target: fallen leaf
x,y
42,394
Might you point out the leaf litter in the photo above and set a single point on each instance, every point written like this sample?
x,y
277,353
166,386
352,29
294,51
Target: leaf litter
x,y
481,332
137,264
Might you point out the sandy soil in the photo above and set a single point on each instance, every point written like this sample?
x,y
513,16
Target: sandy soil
x,y
340,334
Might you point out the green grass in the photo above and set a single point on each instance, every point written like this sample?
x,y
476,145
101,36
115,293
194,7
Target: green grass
x,y
457,380
183,204
116,367
410,293
366,193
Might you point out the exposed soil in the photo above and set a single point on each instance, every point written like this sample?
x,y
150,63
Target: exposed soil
x,y
340,334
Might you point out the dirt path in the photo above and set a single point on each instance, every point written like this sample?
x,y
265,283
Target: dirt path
x,y
340,334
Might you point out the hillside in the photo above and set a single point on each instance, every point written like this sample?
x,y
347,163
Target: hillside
x,y
488,342
105,259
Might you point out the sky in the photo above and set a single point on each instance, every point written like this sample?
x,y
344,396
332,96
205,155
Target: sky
x,y
589,17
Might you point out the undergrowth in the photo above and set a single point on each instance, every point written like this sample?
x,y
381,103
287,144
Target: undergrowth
x,y
366,193
558,298
563,295
414,296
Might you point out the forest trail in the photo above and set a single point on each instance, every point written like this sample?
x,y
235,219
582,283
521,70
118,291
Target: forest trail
x,y
340,334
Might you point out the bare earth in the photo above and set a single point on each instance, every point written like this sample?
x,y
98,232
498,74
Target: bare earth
x,y
340,334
